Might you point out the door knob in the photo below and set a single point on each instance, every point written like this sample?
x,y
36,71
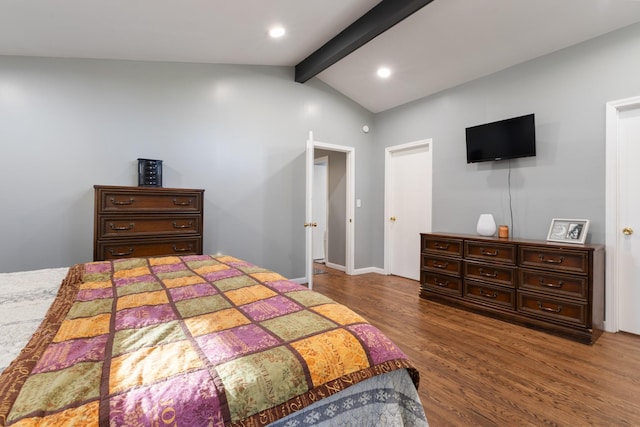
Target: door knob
x,y
627,231
393,218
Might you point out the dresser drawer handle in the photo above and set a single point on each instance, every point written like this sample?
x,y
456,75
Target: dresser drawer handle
x,y
558,260
489,253
486,274
441,284
549,309
550,285
187,203
187,249
121,228
486,294
437,264
188,225
114,253
122,202
441,247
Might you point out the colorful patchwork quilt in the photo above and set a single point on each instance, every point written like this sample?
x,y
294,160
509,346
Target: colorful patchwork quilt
x,y
193,341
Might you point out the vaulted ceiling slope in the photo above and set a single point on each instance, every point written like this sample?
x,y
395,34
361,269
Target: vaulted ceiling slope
x,y
441,45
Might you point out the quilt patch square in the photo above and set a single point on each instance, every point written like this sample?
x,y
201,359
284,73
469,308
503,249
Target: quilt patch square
x,y
129,340
164,260
191,307
138,317
268,276
192,291
99,284
270,307
285,286
92,294
177,282
139,287
381,348
249,294
130,264
129,280
309,298
90,308
326,356
259,381
139,300
297,325
65,354
151,364
339,314
223,345
219,275
203,268
88,413
168,268
122,273
215,322
189,400
239,281
83,327
97,271
53,391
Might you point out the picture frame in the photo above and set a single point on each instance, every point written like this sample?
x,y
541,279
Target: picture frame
x,y
568,230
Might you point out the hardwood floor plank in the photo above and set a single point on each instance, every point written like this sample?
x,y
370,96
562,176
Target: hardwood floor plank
x,y
475,370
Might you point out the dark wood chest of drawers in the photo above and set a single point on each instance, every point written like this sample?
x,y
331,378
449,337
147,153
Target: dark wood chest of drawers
x,y
146,221
558,288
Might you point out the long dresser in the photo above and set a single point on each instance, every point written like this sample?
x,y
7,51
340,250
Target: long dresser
x,y
554,287
146,221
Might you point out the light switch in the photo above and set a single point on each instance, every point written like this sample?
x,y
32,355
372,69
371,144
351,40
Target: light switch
x,y
358,203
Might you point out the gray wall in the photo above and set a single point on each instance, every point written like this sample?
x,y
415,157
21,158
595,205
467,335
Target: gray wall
x,y
567,91
238,132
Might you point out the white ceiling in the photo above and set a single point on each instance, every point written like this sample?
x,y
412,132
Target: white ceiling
x,y
446,43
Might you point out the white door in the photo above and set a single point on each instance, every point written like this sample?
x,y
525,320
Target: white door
x,y
629,214
407,206
320,200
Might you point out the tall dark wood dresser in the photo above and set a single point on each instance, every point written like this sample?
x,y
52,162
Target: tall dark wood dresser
x,y
146,221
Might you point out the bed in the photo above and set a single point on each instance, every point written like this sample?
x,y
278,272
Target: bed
x,y
193,340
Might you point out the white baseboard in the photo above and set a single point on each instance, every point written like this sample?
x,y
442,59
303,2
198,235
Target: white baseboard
x,y
336,266
368,270
300,280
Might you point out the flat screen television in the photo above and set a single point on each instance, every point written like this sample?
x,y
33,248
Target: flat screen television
x,y
504,139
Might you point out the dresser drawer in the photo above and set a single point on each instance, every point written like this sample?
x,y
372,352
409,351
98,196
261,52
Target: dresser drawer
x,y
554,283
142,200
494,252
441,264
494,273
441,283
490,295
149,247
575,261
445,246
112,226
554,309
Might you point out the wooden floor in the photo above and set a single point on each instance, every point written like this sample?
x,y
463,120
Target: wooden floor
x,y
475,370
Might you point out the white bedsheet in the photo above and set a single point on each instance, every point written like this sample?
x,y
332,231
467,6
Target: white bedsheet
x,y
25,298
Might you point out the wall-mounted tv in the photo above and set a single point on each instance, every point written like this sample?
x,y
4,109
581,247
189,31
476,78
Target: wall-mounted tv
x,y
504,139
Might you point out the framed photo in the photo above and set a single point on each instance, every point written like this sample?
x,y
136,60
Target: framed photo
x,y
568,230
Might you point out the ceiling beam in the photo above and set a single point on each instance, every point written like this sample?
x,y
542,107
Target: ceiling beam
x,y
383,16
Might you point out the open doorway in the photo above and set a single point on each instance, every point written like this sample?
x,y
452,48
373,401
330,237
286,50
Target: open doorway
x,y
340,233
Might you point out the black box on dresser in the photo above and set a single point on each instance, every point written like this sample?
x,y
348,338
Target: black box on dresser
x,y
554,287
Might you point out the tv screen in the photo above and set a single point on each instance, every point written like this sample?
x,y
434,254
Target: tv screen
x,y
504,139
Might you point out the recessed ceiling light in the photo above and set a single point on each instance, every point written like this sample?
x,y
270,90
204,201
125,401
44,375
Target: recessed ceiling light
x,y
384,72
277,32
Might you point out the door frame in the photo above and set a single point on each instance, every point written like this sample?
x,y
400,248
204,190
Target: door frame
x,y
612,210
350,153
388,154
